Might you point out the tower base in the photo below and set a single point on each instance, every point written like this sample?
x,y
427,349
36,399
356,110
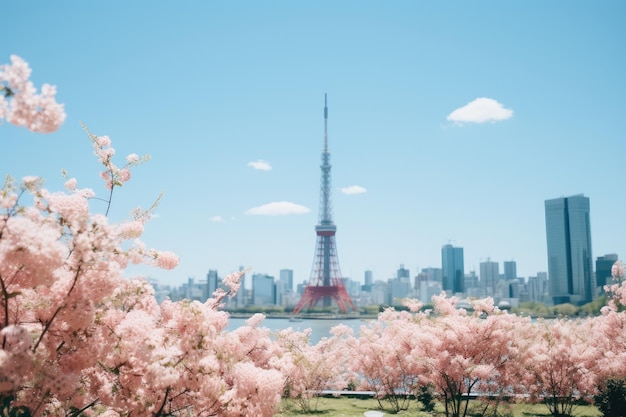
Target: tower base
x,y
313,294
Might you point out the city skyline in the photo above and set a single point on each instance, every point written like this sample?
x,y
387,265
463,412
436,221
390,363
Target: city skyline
x,y
451,124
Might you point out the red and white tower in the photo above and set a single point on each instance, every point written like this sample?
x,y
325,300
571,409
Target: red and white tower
x,y
326,282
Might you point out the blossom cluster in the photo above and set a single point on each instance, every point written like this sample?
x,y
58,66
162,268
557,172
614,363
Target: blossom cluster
x,y
75,334
21,105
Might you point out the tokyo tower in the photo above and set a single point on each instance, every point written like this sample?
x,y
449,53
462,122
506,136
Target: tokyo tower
x,y
326,282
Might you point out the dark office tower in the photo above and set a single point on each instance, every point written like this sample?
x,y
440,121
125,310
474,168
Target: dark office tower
x,y
570,264
402,272
604,265
453,271
369,280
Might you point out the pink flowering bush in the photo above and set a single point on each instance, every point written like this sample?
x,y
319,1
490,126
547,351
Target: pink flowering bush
x,y
447,351
309,369
21,105
460,354
176,359
382,358
560,364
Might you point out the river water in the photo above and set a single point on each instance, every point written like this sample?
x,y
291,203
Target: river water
x,y
319,327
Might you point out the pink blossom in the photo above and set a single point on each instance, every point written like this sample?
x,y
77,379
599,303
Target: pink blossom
x,y
17,340
255,320
8,200
124,175
484,305
413,305
617,270
166,260
233,281
38,112
70,184
30,183
131,230
102,141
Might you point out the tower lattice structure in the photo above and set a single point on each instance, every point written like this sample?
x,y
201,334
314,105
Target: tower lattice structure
x,y
326,282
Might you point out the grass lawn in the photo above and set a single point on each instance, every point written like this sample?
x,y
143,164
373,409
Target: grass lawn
x,y
353,407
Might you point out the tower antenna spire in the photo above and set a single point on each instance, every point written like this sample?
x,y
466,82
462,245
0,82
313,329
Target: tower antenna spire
x,y
325,123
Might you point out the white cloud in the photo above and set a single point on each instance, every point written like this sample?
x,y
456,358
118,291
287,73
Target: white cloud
x,y
217,219
278,208
260,165
353,189
480,110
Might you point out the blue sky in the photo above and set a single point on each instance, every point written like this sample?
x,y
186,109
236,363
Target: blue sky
x,y
214,91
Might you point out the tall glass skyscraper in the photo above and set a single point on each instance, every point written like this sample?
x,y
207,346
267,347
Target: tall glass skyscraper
x,y
570,264
453,271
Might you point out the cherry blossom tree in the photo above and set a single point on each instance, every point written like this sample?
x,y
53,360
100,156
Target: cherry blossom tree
x,y
560,365
76,336
309,369
21,105
609,339
382,358
461,354
176,359
58,262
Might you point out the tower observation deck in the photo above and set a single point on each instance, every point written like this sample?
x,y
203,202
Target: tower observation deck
x,y
326,282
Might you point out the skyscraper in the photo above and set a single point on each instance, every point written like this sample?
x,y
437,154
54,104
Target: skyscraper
x,y
570,264
286,275
510,270
489,276
263,290
402,272
453,271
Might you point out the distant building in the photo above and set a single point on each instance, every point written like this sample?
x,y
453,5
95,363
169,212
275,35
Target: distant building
x,y
489,277
452,268
604,265
369,277
402,272
263,290
570,263
398,289
352,287
212,282
472,285
433,274
194,290
380,293
510,270
286,276
369,280
428,289
240,299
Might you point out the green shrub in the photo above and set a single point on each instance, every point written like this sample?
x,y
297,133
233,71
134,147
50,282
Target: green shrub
x,y
611,400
